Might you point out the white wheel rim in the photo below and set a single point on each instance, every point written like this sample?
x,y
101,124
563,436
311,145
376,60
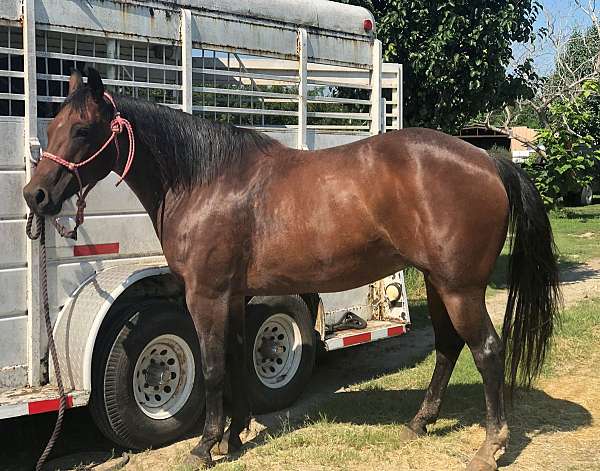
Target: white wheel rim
x,y
277,351
163,377
587,195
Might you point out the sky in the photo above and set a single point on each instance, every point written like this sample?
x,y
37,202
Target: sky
x,y
566,17
563,8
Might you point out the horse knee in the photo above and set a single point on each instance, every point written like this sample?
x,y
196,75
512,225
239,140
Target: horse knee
x,y
490,354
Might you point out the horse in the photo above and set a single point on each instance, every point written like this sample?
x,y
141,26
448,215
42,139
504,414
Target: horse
x,y
239,214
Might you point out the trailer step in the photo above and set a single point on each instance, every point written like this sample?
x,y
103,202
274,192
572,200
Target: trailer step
x,y
29,401
375,330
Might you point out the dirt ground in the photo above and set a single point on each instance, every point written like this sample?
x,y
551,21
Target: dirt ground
x,y
335,373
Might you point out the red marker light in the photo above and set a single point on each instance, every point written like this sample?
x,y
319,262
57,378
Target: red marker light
x,y
368,25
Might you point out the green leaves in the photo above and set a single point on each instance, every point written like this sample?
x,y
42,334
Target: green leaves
x,y
572,145
563,168
455,55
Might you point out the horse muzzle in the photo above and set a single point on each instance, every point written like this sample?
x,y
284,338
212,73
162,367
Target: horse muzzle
x,y
40,201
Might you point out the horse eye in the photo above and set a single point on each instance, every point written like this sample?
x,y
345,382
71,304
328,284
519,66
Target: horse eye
x,y
82,132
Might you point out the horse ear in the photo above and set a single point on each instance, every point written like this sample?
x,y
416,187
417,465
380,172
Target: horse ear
x,y
75,81
95,83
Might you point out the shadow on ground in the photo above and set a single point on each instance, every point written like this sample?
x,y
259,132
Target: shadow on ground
x,y
570,272
578,215
534,413
578,272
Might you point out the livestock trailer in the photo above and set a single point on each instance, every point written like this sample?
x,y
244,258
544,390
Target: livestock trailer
x,y
310,76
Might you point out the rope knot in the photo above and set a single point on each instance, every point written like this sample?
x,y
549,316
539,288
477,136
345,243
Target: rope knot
x,y
116,125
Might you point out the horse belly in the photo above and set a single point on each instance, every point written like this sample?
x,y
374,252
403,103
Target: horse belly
x,y
338,275
334,258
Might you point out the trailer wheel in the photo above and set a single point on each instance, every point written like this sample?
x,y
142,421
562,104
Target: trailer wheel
x,y
586,196
281,346
147,386
583,197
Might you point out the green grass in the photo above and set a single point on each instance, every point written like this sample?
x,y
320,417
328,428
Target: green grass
x,y
577,232
577,339
367,418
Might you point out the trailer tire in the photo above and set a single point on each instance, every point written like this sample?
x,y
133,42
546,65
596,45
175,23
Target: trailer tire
x,y
276,380
587,196
583,197
138,400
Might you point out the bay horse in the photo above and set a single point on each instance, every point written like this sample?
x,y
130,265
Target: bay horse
x,y
239,214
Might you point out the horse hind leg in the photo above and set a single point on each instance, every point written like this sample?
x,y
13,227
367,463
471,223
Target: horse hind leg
x,y
448,346
469,316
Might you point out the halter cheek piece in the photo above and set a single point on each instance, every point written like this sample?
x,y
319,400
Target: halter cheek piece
x,y
117,125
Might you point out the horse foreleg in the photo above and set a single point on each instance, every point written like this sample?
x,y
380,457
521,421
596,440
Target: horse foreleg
x,y
469,316
211,319
236,365
448,346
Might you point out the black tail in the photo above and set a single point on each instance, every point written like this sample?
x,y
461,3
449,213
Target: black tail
x,y
534,296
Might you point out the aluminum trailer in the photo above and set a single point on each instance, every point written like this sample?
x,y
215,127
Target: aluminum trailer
x,y
265,64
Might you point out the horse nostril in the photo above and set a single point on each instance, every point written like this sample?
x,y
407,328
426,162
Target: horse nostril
x,y
41,197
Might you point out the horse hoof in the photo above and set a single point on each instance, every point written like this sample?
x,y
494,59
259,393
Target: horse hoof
x,y
229,445
481,464
195,462
407,434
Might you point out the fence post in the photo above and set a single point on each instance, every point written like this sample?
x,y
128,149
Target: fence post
x,y
396,88
111,53
31,148
302,88
186,60
400,96
376,126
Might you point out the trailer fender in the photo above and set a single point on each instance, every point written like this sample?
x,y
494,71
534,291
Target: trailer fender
x,y
79,321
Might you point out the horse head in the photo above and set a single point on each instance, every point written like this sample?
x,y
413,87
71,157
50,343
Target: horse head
x,y
83,127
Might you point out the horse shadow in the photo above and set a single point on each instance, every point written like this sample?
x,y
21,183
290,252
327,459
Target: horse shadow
x,y
532,413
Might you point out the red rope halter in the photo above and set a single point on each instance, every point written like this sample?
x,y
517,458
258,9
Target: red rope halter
x,y
117,125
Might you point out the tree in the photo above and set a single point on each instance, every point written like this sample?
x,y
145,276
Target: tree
x,y
576,61
576,51
456,55
565,107
571,142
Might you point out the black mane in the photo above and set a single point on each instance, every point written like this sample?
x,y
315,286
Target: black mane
x,y
189,150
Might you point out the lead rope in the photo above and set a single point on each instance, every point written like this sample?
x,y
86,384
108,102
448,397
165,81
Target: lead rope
x,y
118,124
40,234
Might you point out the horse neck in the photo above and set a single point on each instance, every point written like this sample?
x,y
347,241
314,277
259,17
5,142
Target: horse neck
x,y
148,176
143,177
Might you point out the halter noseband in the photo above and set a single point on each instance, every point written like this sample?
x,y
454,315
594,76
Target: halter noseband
x,y
117,125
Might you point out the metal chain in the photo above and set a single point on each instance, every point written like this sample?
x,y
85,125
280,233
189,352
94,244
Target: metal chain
x,y
40,234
